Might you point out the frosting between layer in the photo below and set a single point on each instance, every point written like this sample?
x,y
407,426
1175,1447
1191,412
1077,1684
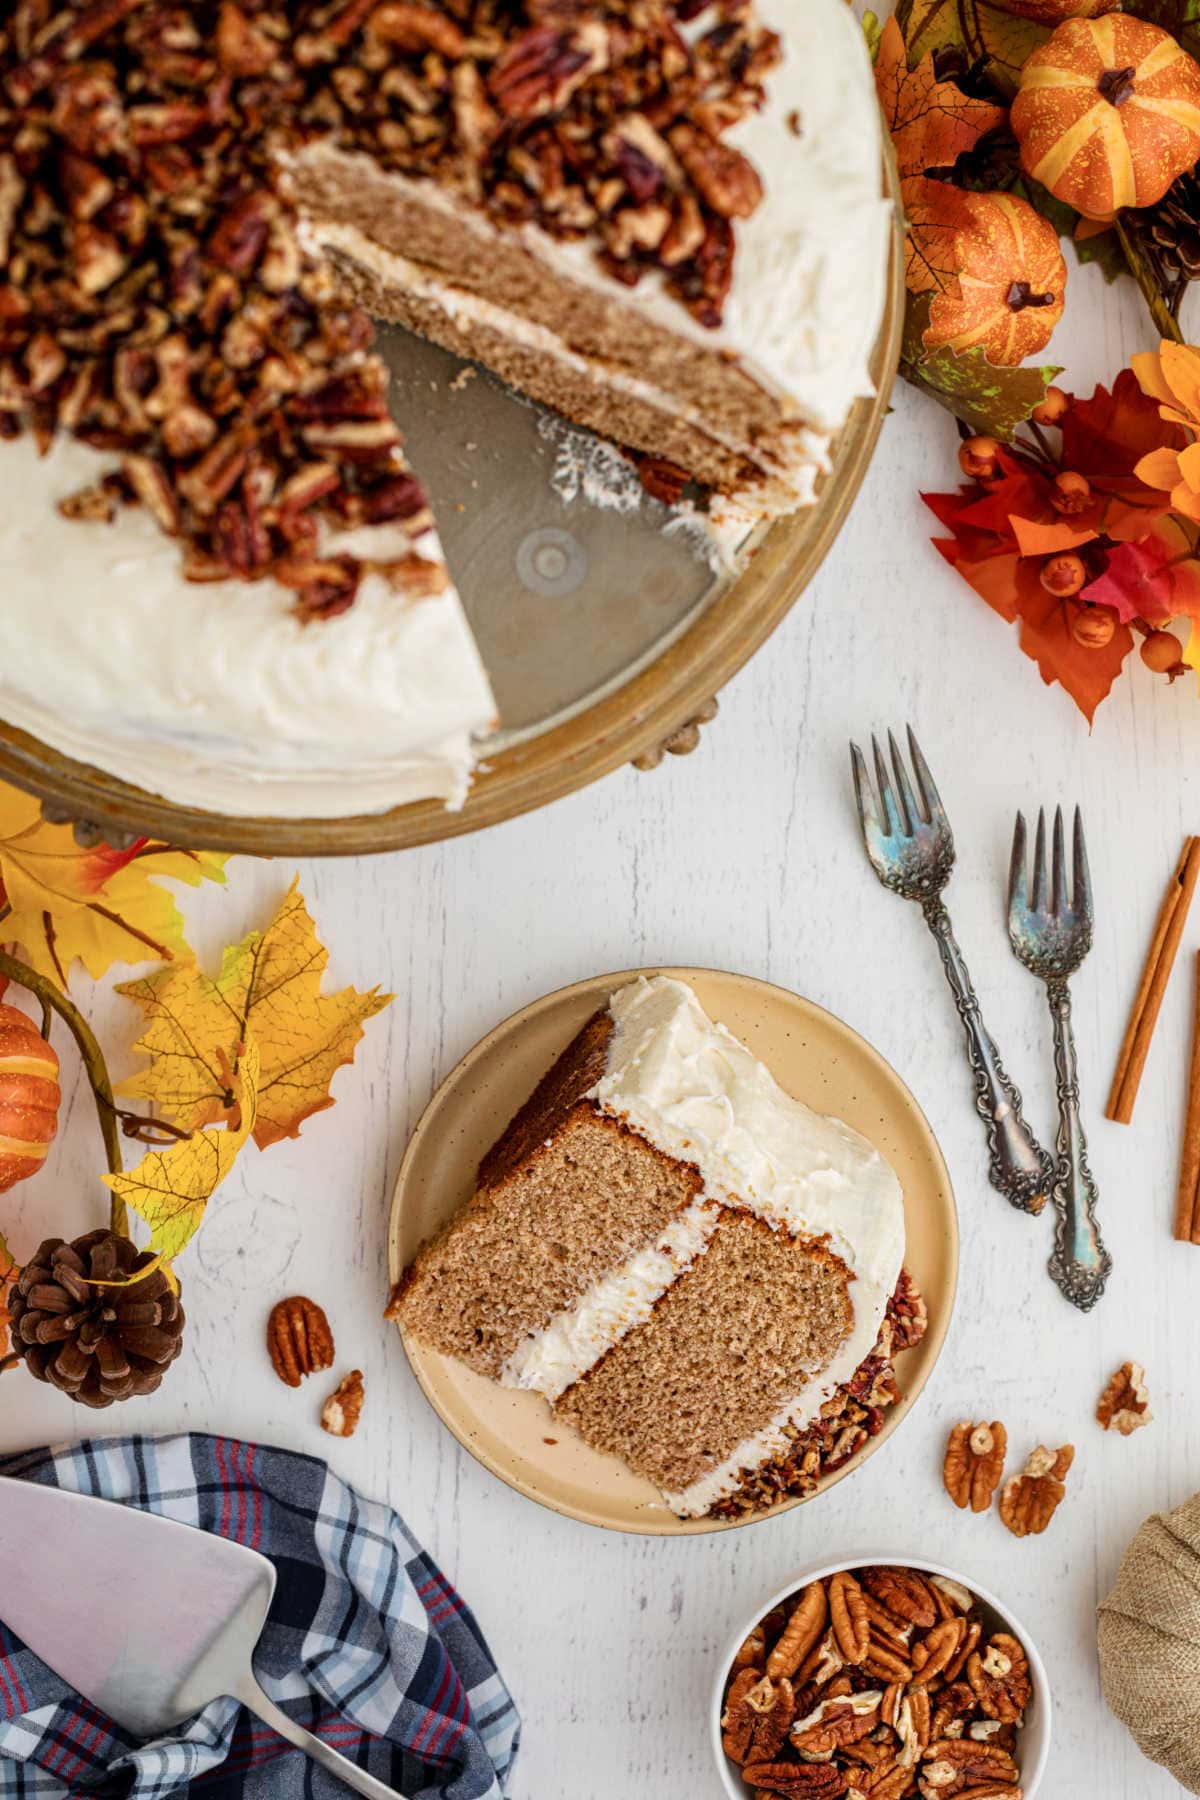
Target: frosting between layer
x,y
216,693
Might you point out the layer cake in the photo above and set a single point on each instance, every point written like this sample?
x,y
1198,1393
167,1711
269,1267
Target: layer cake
x,y
683,1259
221,578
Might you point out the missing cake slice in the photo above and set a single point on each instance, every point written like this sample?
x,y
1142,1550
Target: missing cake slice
x,y
683,1259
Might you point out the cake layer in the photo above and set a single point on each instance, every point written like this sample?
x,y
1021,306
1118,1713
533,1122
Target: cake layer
x,y
565,1197
217,693
744,1329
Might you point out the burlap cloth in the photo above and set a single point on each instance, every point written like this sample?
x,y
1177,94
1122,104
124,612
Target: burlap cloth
x,y
1149,1631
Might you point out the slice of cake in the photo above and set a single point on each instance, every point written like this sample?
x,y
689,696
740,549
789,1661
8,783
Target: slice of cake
x,y
686,1261
221,578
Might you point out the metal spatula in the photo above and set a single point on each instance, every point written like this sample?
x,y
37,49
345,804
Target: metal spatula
x,y
148,1619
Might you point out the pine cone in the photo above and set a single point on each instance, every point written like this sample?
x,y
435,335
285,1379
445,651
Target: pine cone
x,y
97,1344
1172,230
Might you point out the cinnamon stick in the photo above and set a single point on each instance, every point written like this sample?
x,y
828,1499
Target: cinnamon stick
x,y
1187,1201
1159,962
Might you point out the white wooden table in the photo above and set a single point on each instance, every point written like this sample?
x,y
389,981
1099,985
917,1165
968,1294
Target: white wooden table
x,y
744,856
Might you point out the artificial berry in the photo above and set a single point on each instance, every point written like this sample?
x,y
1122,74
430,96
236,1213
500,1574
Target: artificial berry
x,y
977,457
1072,492
1063,574
1160,652
1093,626
1053,408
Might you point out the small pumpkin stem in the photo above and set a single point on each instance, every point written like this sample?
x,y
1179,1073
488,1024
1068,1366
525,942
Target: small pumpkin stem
x,y
1021,295
1138,264
93,1061
1117,85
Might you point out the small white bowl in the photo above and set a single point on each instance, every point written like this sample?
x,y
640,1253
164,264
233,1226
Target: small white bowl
x,y
1033,1744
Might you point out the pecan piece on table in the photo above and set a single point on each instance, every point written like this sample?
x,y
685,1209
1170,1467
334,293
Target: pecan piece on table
x,y
343,1409
1125,1405
299,1339
1029,1501
974,1463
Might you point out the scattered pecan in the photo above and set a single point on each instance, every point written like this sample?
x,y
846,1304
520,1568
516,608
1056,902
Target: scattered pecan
x,y
1029,1501
341,1412
974,1463
299,1339
1125,1405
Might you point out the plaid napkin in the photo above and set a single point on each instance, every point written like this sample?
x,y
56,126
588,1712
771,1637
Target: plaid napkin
x,y
367,1645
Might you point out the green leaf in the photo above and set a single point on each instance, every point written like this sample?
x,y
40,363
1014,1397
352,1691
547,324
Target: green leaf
x,y
987,399
872,30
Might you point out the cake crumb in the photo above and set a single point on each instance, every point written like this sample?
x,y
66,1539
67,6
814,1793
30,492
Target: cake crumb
x,y
461,379
794,125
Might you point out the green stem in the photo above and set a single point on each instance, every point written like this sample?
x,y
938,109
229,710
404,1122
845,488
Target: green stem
x,y
93,1062
1138,264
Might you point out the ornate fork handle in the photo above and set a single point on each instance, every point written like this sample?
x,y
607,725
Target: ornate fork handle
x,y
1080,1264
1018,1166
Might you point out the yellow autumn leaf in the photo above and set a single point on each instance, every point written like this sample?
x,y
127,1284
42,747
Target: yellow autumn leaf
x,y
170,1188
268,988
8,1275
101,906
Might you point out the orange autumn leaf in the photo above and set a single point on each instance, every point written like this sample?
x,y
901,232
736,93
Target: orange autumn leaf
x,y
1006,294
1037,538
8,1279
932,123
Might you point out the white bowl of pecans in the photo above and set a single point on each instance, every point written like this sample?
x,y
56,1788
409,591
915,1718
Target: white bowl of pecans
x,y
879,1679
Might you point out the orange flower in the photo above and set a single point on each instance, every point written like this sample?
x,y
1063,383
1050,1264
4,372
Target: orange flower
x,y
1171,375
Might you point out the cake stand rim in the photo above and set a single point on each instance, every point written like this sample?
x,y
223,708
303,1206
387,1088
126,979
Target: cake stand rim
x,y
614,729
931,1346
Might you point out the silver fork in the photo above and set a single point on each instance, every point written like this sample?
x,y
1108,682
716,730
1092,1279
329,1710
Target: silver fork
x,y
1051,935
912,851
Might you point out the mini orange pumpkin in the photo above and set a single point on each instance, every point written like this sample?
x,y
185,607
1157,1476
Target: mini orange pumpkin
x,y
29,1097
1007,293
1108,114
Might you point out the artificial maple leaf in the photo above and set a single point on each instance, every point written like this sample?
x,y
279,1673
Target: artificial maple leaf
x,y
170,1188
1154,578
8,1278
932,123
101,906
992,41
986,399
1106,436
268,988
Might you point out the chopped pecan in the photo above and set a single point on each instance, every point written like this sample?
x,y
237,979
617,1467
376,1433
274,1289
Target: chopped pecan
x,y
974,1463
299,1339
1125,1405
412,26
723,177
343,1409
1030,1500
541,69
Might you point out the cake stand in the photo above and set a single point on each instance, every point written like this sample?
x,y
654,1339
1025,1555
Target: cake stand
x,y
603,633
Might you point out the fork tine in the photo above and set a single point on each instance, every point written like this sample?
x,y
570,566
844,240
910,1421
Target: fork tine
x,y
1058,881
931,800
1018,897
868,819
887,799
1039,863
908,804
1082,881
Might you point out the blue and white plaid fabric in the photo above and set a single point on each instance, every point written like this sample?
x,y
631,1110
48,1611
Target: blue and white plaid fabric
x,y
367,1645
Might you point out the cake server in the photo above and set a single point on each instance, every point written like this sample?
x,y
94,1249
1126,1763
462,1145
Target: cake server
x,y
1051,935
911,848
148,1619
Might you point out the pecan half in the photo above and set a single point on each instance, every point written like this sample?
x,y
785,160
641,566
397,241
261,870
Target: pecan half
x,y
1030,1500
836,1722
795,1780
299,1339
903,1593
1125,1405
848,1616
800,1634
341,1412
1000,1678
739,1718
974,1463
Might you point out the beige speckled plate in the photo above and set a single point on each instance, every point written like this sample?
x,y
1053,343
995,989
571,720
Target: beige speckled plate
x,y
810,1053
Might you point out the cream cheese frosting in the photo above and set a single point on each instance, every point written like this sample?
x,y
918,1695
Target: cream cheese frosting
x,y
216,693
688,1086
